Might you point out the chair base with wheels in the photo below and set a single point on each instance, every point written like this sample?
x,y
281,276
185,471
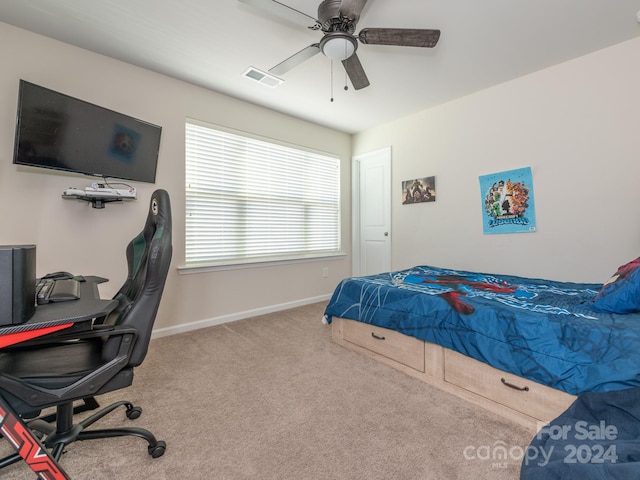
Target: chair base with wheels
x,y
57,434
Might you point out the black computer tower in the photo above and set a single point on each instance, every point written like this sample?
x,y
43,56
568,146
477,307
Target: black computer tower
x,y
17,283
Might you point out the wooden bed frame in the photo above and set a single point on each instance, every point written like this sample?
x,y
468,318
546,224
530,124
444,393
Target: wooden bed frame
x,y
520,400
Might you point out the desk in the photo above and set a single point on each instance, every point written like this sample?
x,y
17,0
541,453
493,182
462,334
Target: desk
x,y
51,317
73,315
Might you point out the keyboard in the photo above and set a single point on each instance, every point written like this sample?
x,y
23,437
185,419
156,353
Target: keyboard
x,y
50,290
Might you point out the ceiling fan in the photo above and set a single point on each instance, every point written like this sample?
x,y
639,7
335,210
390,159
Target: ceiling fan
x,y
337,19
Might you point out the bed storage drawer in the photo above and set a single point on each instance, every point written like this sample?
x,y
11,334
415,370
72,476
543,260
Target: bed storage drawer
x,y
403,349
526,396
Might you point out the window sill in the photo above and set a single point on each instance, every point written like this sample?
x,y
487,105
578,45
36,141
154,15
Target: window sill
x,y
237,265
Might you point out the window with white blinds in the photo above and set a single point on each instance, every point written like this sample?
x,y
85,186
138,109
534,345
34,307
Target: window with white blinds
x,y
250,200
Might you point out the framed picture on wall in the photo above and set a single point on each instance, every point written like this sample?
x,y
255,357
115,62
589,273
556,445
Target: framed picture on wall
x,y
507,202
419,190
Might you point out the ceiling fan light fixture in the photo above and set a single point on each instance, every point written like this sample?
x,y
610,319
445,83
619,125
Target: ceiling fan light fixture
x,y
338,46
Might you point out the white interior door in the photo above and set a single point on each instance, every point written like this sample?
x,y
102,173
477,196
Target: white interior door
x,y
372,212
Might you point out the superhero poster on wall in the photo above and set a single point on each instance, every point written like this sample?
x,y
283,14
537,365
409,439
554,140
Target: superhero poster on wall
x,y
419,190
507,202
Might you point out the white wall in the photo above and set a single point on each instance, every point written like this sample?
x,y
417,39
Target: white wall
x,y
72,236
576,125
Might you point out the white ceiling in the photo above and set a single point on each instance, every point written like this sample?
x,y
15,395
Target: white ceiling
x,y
212,42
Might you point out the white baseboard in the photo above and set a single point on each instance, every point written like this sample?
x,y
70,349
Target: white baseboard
x,y
210,322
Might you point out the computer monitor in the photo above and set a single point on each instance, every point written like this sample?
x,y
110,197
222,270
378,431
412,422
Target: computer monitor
x,y
17,283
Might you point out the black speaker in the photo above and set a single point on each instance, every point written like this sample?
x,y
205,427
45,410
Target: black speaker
x,y
17,283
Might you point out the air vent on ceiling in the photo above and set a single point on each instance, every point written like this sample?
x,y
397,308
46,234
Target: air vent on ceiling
x,y
262,77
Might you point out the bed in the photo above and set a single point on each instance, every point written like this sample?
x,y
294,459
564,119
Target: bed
x,y
565,337
597,437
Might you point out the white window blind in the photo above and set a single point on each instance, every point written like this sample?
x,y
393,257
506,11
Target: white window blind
x,y
248,200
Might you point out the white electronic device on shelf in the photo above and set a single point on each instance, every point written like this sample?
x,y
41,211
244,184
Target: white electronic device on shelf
x,y
99,194
102,191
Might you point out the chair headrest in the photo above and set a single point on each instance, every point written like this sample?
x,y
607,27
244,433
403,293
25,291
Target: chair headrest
x,y
158,223
159,209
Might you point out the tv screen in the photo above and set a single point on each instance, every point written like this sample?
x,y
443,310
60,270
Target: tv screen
x,y
64,133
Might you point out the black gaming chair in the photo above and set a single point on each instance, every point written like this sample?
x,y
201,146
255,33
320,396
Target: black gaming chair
x,y
60,370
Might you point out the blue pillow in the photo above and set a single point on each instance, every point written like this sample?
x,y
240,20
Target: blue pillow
x,y
621,294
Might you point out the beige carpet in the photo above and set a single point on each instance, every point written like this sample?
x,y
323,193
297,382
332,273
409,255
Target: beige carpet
x,y
272,397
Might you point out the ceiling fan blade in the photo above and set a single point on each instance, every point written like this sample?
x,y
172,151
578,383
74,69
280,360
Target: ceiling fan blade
x,y
355,71
295,59
284,11
352,9
403,37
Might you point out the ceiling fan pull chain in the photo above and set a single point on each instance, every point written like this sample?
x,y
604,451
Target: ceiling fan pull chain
x,y
331,70
346,55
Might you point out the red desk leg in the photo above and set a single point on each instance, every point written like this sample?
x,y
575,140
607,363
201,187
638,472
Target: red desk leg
x,y
29,448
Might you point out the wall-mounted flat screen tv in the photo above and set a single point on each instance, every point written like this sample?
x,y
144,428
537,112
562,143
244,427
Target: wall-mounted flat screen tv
x,y
60,132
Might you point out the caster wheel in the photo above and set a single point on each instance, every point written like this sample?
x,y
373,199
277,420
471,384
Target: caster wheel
x,y
158,450
134,413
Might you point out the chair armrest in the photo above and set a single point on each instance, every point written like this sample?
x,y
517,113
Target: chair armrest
x,y
117,346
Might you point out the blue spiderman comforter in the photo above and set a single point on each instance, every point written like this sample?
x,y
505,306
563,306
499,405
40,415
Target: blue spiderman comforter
x,y
543,330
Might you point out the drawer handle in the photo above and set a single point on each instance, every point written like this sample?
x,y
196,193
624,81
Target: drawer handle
x,y
515,387
377,337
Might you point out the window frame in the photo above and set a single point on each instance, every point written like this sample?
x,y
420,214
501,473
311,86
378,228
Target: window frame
x,y
239,262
